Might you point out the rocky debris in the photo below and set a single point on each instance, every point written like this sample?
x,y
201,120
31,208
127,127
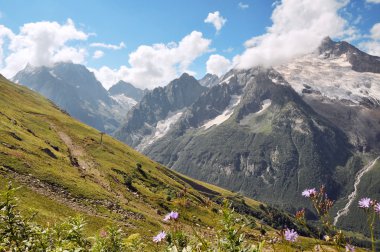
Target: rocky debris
x,y
49,152
56,148
15,136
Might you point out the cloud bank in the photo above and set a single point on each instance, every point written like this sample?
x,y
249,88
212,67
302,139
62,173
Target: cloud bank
x,y
217,64
298,28
40,44
372,46
156,65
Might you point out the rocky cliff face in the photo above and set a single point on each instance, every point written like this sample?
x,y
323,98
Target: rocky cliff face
x,y
209,80
360,61
158,109
256,137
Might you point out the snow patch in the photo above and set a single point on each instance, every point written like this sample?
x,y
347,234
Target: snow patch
x,y
124,100
161,129
332,77
235,100
54,75
265,105
227,80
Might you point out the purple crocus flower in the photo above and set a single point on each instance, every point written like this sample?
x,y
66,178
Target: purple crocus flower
x,y
350,248
158,238
377,208
171,216
291,235
309,192
365,203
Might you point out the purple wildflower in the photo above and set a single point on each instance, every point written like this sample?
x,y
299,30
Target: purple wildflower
x,y
365,203
171,216
291,235
377,208
350,248
158,238
103,234
309,192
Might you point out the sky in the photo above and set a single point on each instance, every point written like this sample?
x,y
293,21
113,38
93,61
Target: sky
x,y
149,43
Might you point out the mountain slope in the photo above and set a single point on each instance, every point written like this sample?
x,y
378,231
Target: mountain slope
x,y
65,169
76,90
158,110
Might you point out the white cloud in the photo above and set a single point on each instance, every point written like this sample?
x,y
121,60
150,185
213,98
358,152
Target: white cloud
x,y
109,46
216,19
243,6
372,46
298,27
98,54
375,31
5,33
42,43
228,50
373,1
156,65
217,64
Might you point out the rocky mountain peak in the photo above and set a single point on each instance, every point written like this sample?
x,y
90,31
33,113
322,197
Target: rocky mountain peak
x,y
209,80
127,89
360,61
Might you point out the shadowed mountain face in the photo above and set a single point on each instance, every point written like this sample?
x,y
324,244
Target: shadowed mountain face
x,y
271,133
75,89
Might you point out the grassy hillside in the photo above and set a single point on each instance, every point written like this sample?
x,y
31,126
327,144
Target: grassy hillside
x,y
65,168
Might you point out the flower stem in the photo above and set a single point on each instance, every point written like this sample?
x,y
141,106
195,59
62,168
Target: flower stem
x,y
371,222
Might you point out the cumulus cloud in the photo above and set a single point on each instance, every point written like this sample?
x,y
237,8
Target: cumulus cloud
x,y
243,6
217,64
98,54
298,27
5,34
372,46
156,65
109,46
375,31
373,1
42,43
216,20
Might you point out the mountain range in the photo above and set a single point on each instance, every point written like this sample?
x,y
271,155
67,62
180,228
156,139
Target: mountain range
x,y
269,133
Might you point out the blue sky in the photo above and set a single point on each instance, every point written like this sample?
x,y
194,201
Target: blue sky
x,y
143,22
